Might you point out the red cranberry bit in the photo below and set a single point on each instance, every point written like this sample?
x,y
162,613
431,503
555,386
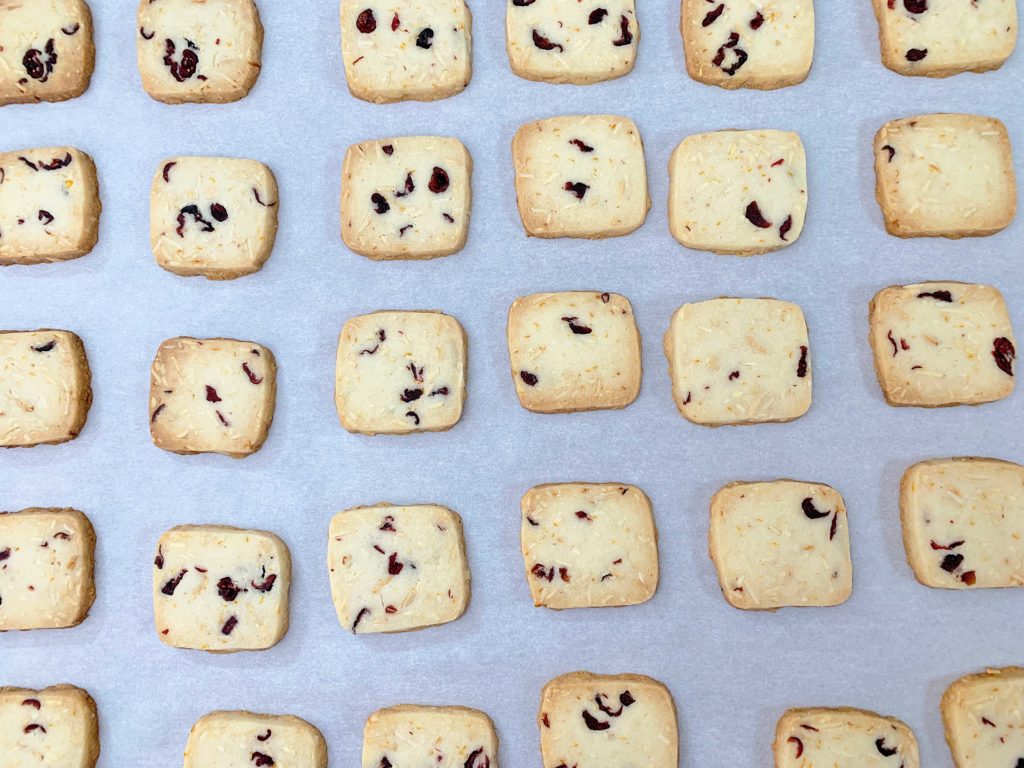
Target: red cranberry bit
x,y
544,43
384,762
33,727
388,524
156,413
757,21
256,194
916,54
408,187
577,328
625,36
541,572
143,33
951,562
31,703
969,578
712,15
227,589
596,16
606,297
194,212
916,6
891,150
583,515
183,70
442,391
57,163
223,420
260,759
528,378
252,376
266,585
425,38
883,750
799,745
395,22
544,719
388,149
201,569
365,22
167,170
1004,353
741,55
71,30
734,375
411,395
605,708
811,511
891,4
578,188
211,395
753,214
380,205
37,68
522,3
564,574
359,617
784,229
170,586
394,566
801,367
477,759
593,723
832,528
48,346
531,521
28,162
46,217
892,341
219,212
265,736
581,146
778,162
988,722
438,181
227,629
414,416
953,545
390,609
448,218
159,560
417,372
937,295
626,698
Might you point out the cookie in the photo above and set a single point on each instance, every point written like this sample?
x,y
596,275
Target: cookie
x,y
843,736
406,198
411,735
574,351
394,569
55,727
983,718
45,387
46,51
564,41
605,721
741,192
945,176
406,50
580,176
780,543
739,361
400,372
939,39
212,216
233,739
748,43
212,396
49,205
939,344
220,589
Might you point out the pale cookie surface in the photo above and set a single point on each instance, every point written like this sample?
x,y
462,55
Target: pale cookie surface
x,y
780,543
55,727
212,396
212,216
406,198
587,545
741,192
394,569
417,50
400,372
607,721
984,719
844,738
963,522
238,739
739,361
762,44
580,176
411,736
218,588
49,205
46,568
945,176
46,50
565,41
574,351
938,344
45,387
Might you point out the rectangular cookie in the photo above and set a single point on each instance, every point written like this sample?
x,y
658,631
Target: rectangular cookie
x,y
239,739
55,727
843,736
412,735
984,719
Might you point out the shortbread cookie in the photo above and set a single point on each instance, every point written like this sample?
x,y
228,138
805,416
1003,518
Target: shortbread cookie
x,y
739,361
49,205
606,721
780,543
195,50
574,351
580,176
419,50
939,344
212,216
46,50
46,568
411,735
218,588
944,37
394,569
406,198
212,396
565,41
963,522
741,192
400,372
843,737
239,739
55,727
945,176
761,44
45,387
984,719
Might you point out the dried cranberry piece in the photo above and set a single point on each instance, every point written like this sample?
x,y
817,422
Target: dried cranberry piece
x,y
223,420
916,54
227,629
156,412
407,188
626,699
544,43
1004,353
578,188
70,31
937,295
227,589
219,212
265,736
969,578
388,149
266,585
211,395
811,511
57,163
261,759
144,35
425,38
577,328
522,3
36,67
593,723
45,347
252,376
359,617
952,545
625,36
528,378
394,565
801,366
438,181
741,55
951,562
605,708
159,560
380,205
170,586
712,15
891,150
581,146
596,16
799,745
415,417
734,375
564,574
28,162
531,521
197,216
395,22
46,217
916,6
757,21
477,759
183,70
541,572
410,395
167,170
883,750
442,391
785,227
583,515
32,703
256,194
4,554
365,22
753,214
33,727
417,372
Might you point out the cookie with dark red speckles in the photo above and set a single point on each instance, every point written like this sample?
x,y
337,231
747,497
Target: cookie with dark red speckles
x,y
55,727
843,736
411,735
231,739
984,719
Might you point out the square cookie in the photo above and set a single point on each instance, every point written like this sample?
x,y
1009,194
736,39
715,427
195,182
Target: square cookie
x,y
212,216
45,387
418,50
49,205
199,51
963,522
46,50
46,568
587,545
220,589
55,727
574,351
945,176
938,344
231,739
748,43
984,719
400,372
606,721
780,543
406,198
580,176
212,396
741,192
394,569
565,41
411,735
739,361
843,736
